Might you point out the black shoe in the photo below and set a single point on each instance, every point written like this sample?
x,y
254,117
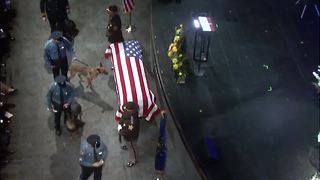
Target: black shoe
x,y
11,151
124,147
130,164
58,132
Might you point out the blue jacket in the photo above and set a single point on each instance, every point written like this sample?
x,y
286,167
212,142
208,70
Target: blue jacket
x,y
51,50
87,154
53,95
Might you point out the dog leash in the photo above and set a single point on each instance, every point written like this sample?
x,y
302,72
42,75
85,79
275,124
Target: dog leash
x,y
80,62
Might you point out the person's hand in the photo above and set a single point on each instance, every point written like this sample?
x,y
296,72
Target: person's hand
x,y
44,18
51,109
96,164
101,162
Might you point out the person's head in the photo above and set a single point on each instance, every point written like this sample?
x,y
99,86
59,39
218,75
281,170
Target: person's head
x,y
130,109
94,140
61,80
112,10
56,36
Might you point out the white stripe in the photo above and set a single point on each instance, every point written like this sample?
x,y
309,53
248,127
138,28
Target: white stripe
x,y
117,74
125,72
145,83
205,23
118,114
154,109
137,85
108,51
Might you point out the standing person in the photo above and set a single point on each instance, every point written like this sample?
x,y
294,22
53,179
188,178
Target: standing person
x,y
129,127
56,11
56,53
59,97
114,32
93,153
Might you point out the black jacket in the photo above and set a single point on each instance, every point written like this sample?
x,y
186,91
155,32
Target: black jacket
x,y
54,9
114,29
130,128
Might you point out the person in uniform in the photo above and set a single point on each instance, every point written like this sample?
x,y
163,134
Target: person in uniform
x,y
114,32
59,97
93,154
57,50
129,128
56,11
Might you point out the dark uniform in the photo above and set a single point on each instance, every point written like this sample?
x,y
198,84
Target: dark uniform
x,y
93,153
129,128
56,12
56,54
60,94
114,32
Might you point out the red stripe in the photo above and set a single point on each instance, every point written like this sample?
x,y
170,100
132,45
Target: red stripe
x,y
131,78
124,92
144,95
128,5
154,114
211,24
115,79
150,93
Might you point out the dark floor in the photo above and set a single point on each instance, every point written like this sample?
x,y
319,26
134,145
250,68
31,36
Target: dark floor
x,y
260,133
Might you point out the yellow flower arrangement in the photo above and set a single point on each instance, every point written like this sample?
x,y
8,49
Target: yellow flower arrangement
x,y
177,56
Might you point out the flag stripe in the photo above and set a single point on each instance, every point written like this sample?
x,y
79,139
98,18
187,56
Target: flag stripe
x,y
146,88
130,78
139,92
116,75
118,67
125,74
128,5
144,91
132,81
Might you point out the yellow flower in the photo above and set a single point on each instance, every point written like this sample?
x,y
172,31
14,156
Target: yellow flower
x,y
176,39
178,31
170,47
174,60
174,49
175,67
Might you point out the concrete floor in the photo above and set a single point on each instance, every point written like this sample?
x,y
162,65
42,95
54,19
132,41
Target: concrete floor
x,y
41,155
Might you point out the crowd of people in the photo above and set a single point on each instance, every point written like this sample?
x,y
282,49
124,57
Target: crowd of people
x,y
7,13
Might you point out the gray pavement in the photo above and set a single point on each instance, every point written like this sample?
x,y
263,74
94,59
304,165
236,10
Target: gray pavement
x,y
41,155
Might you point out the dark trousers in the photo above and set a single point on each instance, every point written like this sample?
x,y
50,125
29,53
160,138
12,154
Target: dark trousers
x,y
87,171
57,24
57,115
61,67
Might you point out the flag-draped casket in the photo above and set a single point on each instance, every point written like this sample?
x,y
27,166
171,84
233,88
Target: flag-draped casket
x,y
130,78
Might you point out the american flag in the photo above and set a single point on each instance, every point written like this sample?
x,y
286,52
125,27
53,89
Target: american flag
x,y
128,6
130,78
